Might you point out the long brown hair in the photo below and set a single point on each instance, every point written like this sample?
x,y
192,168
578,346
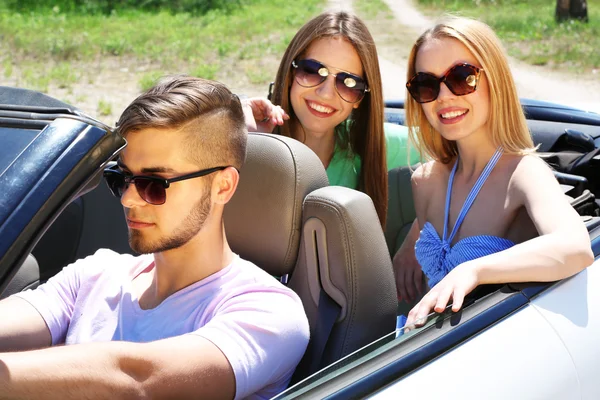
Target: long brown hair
x,y
507,122
366,137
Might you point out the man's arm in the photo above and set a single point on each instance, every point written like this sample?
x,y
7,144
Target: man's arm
x,y
181,367
21,326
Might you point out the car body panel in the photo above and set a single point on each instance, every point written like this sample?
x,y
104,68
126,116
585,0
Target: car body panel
x,y
520,357
572,308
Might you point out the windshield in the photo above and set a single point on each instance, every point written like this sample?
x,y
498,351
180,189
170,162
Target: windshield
x,y
14,141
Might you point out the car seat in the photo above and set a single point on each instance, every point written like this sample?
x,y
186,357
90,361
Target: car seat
x,y
284,218
27,277
401,208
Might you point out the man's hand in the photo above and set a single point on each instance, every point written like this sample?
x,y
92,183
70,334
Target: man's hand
x,y
456,285
261,115
407,270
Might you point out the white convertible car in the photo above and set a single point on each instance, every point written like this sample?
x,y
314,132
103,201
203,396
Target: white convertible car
x,y
521,341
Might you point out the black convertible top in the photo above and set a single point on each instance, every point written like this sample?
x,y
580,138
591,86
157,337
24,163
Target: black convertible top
x,y
25,97
24,107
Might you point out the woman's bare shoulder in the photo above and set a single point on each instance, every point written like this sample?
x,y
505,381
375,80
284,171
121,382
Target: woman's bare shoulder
x,y
530,173
430,173
527,168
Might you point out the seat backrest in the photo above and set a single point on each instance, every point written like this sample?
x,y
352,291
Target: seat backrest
x,y
27,277
286,220
401,208
263,220
344,269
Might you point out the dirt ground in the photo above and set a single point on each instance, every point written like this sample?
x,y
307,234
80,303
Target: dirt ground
x,y
115,81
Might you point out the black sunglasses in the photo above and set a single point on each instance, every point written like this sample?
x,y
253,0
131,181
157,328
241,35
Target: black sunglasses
x,y
152,189
461,79
311,73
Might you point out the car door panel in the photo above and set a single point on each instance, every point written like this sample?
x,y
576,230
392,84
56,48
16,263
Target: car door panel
x,y
60,163
520,357
572,308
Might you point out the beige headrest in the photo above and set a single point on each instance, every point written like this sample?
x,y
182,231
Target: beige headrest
x,y
263,219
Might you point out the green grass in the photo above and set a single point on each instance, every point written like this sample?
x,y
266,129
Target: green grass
x,y
62,75
372,9
529,31
172,43
104,108
205,70
7,66
109,6
149,79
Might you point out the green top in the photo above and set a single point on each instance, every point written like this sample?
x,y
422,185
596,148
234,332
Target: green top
x,y
344,167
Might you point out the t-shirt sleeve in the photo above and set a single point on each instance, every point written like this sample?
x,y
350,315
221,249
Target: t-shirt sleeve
x,y
55,299
264,335
399,152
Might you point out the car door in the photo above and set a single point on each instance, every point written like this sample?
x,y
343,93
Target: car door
x,y
525,341
49,156
519,357
573,311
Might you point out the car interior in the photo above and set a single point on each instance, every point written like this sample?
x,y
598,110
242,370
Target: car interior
x,y
286,219
324,242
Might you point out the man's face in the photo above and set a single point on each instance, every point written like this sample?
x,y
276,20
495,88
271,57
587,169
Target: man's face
x,y
157,228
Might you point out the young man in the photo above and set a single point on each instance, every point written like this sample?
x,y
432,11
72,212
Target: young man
x,y
189,318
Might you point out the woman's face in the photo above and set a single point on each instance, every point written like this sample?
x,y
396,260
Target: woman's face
x,y
454,117
320,108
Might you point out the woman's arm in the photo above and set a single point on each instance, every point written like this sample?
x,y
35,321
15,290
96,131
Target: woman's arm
x,y
562,248
407,270
408,273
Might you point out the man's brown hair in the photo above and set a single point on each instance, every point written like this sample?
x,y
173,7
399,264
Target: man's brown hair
x,y
207,111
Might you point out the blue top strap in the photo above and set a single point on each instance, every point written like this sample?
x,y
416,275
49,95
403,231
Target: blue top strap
x,y
470,198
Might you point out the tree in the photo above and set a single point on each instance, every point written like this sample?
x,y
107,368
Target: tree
x,y
571,9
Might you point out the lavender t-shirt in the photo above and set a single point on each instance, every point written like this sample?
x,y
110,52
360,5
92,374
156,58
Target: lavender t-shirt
x,y
258,323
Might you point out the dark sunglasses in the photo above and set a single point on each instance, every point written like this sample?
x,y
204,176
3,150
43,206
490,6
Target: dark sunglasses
x,y
152,189
461,79
349,87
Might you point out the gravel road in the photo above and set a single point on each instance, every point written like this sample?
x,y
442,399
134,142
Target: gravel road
x,y
533,82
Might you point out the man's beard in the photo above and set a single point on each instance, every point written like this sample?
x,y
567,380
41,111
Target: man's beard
x,y
189,228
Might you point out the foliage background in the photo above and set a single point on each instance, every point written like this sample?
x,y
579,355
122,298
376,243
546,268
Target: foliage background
x,y
109,6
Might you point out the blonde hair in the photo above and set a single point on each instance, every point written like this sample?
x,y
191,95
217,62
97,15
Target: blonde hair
x,y
365,137
507,122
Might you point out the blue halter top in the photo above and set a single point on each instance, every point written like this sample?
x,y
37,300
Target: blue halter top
x,y
436,257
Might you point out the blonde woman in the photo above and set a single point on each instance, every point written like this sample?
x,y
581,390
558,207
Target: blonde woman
x,y
488,209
